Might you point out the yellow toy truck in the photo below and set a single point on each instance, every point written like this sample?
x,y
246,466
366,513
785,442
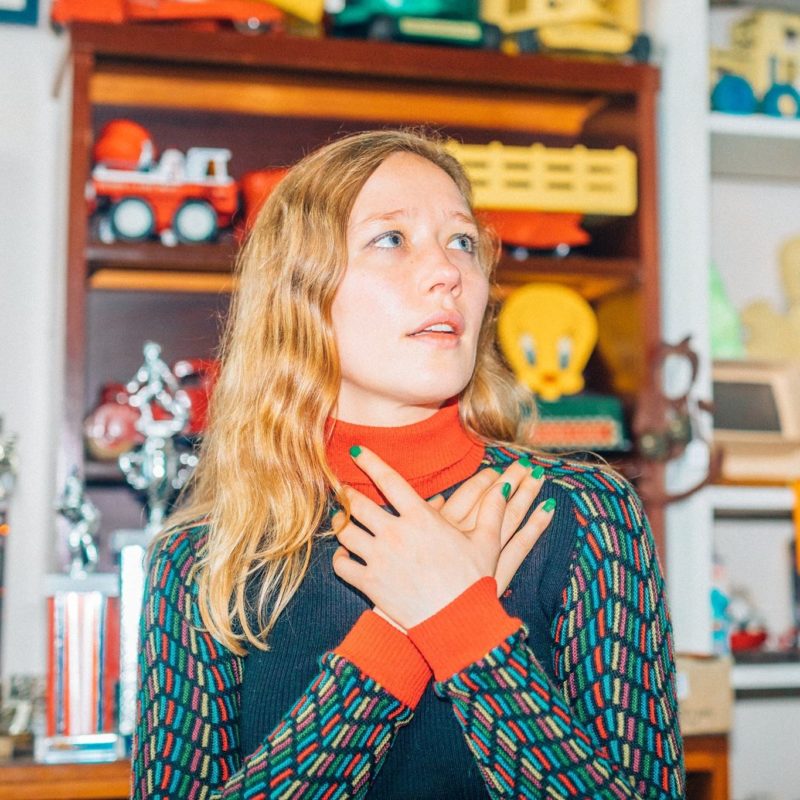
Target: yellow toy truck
x,y
760,69
584,26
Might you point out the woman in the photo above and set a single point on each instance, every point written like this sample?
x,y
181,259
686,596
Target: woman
x,y
298,608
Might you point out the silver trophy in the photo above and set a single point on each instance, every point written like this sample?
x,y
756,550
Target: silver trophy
x,y
156,467
8,480
83,517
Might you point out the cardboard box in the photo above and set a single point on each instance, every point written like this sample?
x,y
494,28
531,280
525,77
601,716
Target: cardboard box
x,y
705,694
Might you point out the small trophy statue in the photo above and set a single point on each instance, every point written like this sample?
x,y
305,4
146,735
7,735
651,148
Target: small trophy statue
x,y
84,519
8,479
156,467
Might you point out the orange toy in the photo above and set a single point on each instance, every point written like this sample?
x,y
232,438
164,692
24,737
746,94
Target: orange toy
x,y
256,188
537,230
249,15
184,197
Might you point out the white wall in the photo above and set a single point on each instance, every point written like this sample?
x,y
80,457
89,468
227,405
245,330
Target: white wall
x,y
680,34
32,200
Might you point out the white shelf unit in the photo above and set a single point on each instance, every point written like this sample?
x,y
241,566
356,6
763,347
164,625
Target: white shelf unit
x,y
759,677
755,500
754,146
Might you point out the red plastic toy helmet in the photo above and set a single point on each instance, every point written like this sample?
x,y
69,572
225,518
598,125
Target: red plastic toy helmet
x,y
124,144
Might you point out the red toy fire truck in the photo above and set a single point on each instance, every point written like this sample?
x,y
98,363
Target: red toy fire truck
x,y
179,197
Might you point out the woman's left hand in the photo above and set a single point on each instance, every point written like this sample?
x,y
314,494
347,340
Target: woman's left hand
x,y
418,562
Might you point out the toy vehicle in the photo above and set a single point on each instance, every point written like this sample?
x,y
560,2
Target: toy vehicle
x,y
249,16
434,21
595,26
574,179
178,197
110,427
759,71
535,197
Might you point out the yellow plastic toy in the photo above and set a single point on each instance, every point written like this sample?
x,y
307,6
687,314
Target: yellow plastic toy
x,y
574,179
306,10
764,50
547,333
771,333
595,26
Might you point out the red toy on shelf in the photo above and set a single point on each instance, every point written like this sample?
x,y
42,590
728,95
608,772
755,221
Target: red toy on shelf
x,y
177,197
249,16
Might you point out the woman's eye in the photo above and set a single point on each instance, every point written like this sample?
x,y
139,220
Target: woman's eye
x,y
464,242
389,239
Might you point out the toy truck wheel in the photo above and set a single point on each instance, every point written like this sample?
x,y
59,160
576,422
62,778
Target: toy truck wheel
x,y
640,49
132,219
492,36
195,222
251,27
383,29
528,41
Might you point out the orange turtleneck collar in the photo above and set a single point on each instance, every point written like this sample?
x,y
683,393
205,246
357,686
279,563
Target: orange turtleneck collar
x,y
431,455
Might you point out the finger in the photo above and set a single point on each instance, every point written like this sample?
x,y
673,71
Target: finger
x,y
366,511
394,486
349,570
437,502
490,514
465,498
514,474
356,540
521,543
519,504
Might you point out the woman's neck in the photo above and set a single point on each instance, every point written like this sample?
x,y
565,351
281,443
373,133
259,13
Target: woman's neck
x,y
432,454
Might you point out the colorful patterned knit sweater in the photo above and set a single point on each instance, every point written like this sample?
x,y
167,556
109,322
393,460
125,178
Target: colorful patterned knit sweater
x,y
605,728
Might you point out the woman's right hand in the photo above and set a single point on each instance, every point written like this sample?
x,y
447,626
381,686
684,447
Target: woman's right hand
x,y
461,508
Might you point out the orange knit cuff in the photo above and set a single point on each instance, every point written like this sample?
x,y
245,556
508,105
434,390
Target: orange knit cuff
x,y
465,630
386,654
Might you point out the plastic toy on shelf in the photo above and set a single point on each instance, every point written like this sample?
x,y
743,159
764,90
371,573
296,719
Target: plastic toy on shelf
x,y
110,429
247,16
547,333
433,21
761,68
610,27
177,197
536,197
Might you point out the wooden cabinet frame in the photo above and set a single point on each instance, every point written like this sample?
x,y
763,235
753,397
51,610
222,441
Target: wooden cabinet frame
x,y
169,70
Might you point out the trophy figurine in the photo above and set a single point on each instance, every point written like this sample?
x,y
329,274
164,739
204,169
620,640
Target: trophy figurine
x,y
156,467
8,479
84,519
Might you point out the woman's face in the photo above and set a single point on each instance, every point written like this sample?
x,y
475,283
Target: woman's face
x,y
409,309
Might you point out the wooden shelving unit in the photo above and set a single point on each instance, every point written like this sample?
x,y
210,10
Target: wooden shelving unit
x,y
271,99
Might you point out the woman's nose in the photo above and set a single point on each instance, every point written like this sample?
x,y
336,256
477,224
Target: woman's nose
x,y
441,274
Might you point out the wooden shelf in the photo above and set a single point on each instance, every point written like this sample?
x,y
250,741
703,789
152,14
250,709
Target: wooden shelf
x,y
150,266
359,59
213,258
34,781
269,99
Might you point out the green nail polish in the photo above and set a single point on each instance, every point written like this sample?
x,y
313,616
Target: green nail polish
x,y
498,469
548,504
506,490
537,472
525,462
355,451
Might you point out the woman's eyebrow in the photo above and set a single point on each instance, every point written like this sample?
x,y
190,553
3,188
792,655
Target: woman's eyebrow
x,y
391,216
386,216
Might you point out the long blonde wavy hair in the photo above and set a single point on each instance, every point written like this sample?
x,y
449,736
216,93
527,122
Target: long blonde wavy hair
x,y
263,483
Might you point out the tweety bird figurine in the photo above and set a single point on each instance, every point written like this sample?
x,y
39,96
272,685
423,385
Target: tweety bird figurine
x,y
547,333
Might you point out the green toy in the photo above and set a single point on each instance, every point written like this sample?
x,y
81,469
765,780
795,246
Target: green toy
x,y
727,338
433,21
